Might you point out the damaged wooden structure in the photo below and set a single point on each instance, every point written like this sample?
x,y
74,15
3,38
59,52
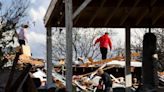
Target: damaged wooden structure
x,y
125,14
16,78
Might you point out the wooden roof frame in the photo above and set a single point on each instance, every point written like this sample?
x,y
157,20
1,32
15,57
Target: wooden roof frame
x,y
136,14
123,14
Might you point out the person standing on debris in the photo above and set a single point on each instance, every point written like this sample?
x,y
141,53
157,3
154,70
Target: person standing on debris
x,y
104,43
22,35
106,80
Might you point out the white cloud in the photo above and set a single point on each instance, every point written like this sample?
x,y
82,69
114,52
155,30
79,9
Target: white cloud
x,y
33,1
37,37
37,15
37,43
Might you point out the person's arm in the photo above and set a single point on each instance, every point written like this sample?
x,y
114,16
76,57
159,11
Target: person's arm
x,y
96,41
110,43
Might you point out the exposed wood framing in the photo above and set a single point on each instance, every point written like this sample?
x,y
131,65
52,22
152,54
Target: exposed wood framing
x,y
50,11
77,18
49,56
69,53
19,82
142,16
11,75
129,12
152,2
112,14
95,15
157,18
83,5
151,5
128,75
62,16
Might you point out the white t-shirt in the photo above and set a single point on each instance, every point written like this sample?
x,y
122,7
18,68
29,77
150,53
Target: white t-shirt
x,y
22,35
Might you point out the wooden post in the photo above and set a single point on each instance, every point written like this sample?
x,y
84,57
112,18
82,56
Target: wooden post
x,y
49,56
128,76
149,48
69,25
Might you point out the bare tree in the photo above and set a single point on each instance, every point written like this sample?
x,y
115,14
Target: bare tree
x,y
160,47
12,13
137,43
83,40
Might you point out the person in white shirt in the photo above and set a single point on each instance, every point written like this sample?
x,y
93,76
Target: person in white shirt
x,y
22,35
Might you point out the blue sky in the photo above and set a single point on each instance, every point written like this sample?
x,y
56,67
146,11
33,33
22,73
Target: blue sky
x,y
36,34
37,37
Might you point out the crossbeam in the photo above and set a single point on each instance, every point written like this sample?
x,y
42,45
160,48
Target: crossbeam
x,y
112,14
95,15
131,10
80,8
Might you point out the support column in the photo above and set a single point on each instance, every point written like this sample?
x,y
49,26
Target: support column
x,y
68,24
49,56
128,76
149,48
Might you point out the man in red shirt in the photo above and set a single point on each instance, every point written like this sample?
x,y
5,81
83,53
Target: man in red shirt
x,y
104,43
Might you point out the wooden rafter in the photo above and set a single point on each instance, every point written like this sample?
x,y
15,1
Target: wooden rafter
x,y
152,2
146,12
115,10
142,16
95,15
81,7
157,18
50,10
77,18
131,10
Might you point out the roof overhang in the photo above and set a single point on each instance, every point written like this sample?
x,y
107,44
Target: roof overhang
x,y
109,14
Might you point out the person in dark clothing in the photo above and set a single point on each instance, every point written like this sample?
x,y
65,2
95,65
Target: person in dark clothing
x,y
100,86
106,80
105,42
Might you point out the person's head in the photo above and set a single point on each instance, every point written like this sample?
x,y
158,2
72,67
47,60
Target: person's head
x,y
106,33
100,72
25,26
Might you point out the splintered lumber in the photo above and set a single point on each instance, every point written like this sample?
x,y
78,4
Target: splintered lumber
x,y
93,74
100,62
11,75
33,61
18,84
26,50
109,67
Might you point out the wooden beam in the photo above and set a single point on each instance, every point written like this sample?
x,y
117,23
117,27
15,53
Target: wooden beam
x,y
94,15
77,18
151,5
146,12
80,8
11,75
19,82
100,61
128,75
49,11
69,53
129,12
114,11
142,16
49,56
152,2
157,17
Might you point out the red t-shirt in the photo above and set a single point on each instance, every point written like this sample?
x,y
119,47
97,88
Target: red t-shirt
x,y
104,41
